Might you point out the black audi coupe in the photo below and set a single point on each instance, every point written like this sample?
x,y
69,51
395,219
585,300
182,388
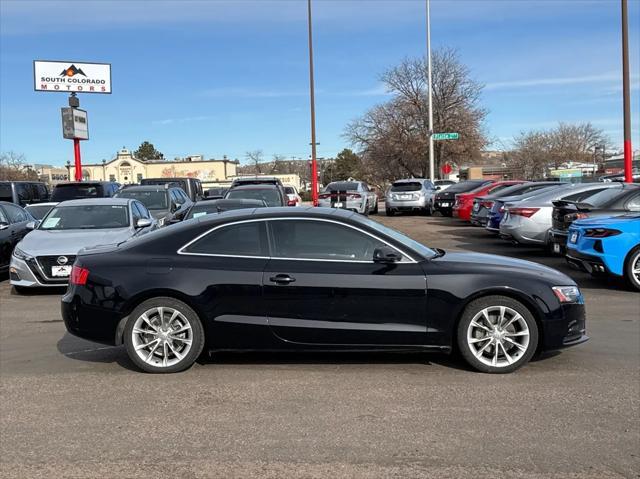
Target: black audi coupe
x,y
314,279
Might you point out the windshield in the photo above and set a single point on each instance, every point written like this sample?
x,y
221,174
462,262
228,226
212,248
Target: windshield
x,y
406,186
289,190
201,210
342,186
153,200
38,211
64,192
86,217
270,196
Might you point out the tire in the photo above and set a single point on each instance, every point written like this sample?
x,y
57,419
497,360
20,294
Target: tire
x,y
633,263
20,290
164,353
389,212
515,344
375,209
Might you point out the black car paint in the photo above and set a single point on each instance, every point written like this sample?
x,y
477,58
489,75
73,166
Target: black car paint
x,y
448,196
11,234
331,305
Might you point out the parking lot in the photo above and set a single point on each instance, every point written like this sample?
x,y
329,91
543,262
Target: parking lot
x,y
72,408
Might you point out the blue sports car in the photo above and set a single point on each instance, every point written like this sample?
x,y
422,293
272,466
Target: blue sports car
x,y
609,245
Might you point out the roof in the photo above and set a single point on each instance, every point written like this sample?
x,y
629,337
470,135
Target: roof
x,y
258,186
411,180
97,201
278,212
147,188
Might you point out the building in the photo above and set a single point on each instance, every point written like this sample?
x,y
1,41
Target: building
x,y
126,168
51,174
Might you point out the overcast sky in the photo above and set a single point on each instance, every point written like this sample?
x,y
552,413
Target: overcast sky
x,y
226,77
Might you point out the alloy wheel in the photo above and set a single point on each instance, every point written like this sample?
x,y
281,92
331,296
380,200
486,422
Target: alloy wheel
x,y
635,269
162,336
498,336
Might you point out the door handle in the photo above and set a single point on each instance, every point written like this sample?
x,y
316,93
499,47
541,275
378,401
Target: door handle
x,y
282,279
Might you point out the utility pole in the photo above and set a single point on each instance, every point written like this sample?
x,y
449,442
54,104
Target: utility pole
x,y
314,164
429,86
628,152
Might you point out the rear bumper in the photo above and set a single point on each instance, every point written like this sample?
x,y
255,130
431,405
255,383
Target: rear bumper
x,y
359,206
405,205
586,262
559,238
94,324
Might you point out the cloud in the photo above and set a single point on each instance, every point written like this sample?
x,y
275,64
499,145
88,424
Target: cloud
x,y
602,78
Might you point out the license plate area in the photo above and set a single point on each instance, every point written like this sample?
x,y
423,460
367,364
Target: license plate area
x,y
60,271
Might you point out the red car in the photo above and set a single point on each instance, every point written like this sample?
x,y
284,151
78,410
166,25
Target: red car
x,y
464,201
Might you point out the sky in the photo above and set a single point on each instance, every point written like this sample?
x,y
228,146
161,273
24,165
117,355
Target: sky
x,y
227,77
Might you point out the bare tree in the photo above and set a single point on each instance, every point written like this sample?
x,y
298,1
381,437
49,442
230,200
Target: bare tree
x,y
537,151
13,166
277,165
255,160
393,136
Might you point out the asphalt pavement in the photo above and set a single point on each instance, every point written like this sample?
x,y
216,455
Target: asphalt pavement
x,y
73,408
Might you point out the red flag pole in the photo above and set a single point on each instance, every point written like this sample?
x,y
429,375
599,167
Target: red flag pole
x,y
76,154
628,152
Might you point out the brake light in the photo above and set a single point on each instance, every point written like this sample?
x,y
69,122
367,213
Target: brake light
x,y
292,202
575,216
79,276
501,210
601,232
487,204
526,212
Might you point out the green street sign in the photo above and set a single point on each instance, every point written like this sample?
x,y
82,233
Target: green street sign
x,y
445,136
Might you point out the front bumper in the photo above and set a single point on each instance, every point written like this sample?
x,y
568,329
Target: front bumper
x,y
569,330
26,275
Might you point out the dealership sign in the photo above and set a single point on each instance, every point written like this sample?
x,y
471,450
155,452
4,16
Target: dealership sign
x,y
72,77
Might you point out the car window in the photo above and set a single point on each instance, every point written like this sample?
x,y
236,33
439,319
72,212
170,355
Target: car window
x,y
598,196
73,191
342,186
271,196
184,196
634,203
240,239
23,192
38,211
406,186
144,212
154,200
135,212
5,192
3,217
175,197
321,240
16,214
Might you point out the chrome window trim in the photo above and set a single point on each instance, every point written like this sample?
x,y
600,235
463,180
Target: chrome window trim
x,y
182,251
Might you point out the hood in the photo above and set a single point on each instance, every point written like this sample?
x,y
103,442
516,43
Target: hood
x,y
44,242
497,264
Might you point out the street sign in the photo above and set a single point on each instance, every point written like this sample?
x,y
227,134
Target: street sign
x,y
445,136
446,168
75,124
71,77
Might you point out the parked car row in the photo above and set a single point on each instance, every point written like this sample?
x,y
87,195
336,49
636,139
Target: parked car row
x,y
595,225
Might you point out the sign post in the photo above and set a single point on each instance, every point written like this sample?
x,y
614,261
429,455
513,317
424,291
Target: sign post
x,y
73,78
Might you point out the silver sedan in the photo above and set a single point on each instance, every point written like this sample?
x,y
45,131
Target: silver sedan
x,y
45,256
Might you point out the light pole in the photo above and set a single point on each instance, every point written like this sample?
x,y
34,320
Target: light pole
x,y
314,164
628,153
429,84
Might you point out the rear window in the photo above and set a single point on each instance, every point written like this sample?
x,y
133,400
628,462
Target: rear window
x,y
603,196
465,186
289,190
5,192
64,192
342,186
270,195
406,186
153,200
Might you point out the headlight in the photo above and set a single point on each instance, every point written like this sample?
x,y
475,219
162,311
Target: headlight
x,y
18,253
568,294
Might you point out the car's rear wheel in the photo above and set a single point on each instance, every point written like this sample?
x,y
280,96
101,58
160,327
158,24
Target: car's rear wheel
x,y
163,335
497,334
375,208
632,268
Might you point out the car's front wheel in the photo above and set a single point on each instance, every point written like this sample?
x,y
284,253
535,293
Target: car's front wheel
x,y
497,334
163,335
632,268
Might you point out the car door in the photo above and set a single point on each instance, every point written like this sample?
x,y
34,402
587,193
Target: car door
x,y
321,286
6,243
223,268
18,219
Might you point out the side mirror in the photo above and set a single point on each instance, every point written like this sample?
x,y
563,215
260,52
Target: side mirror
x,y
386,254
143,223
3,225
31,225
